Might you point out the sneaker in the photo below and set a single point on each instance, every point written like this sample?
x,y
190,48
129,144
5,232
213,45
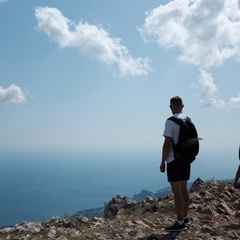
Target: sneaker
x,y
186,221
236,185
176,227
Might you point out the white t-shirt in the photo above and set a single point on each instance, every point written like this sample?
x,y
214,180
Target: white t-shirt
x,y
172,130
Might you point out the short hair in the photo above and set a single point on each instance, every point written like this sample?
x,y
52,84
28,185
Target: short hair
x,y
176,101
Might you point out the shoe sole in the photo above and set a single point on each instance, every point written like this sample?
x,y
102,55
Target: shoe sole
x,y
176,230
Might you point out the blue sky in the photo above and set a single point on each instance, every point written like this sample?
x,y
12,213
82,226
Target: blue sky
x,y
99,74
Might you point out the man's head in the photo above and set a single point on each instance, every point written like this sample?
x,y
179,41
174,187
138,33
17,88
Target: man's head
x,y
176,104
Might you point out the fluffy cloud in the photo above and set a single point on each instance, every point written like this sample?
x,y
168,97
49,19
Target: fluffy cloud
x,y
234,101
207,33
12,94
91,40
209,94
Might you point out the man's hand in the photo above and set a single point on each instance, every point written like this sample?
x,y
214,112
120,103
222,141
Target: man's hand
x,y
162,167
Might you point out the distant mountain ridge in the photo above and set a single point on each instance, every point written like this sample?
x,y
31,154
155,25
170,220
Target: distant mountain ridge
x,y
99,212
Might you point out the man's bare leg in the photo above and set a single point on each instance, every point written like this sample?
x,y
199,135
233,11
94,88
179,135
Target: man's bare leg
x,y
178,199
186,197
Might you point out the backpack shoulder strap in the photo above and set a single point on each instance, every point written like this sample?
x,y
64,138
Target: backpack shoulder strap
x,y
239,153
176,120
189,120
180,121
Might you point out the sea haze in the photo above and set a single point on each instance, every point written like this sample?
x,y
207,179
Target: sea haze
x,y
38,185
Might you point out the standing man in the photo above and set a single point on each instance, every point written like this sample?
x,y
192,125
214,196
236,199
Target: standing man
x,y
237,176
178,172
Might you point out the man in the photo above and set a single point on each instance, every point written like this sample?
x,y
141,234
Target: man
x,y
237,176
178,172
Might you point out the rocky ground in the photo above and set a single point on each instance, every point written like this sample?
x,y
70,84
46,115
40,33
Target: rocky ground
x,y
214,215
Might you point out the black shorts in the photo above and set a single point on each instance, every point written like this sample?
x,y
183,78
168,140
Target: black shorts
x,y
178,170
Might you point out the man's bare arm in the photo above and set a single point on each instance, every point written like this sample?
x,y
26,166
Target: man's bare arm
x,y
165,152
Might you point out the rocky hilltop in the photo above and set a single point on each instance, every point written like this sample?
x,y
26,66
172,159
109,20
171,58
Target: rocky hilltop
x,y
214,215
99,212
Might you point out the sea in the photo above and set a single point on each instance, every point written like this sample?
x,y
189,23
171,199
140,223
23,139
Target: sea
x,y
37,185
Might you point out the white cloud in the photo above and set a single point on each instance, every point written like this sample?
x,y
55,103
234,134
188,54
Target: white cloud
x,y
209,93
209,90
2,1
91,40
12,94
206,32
234,101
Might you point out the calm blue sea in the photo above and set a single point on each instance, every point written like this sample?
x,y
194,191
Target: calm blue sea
x,y
38,185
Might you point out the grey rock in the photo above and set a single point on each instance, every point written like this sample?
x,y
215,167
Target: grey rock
x,y
117,205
